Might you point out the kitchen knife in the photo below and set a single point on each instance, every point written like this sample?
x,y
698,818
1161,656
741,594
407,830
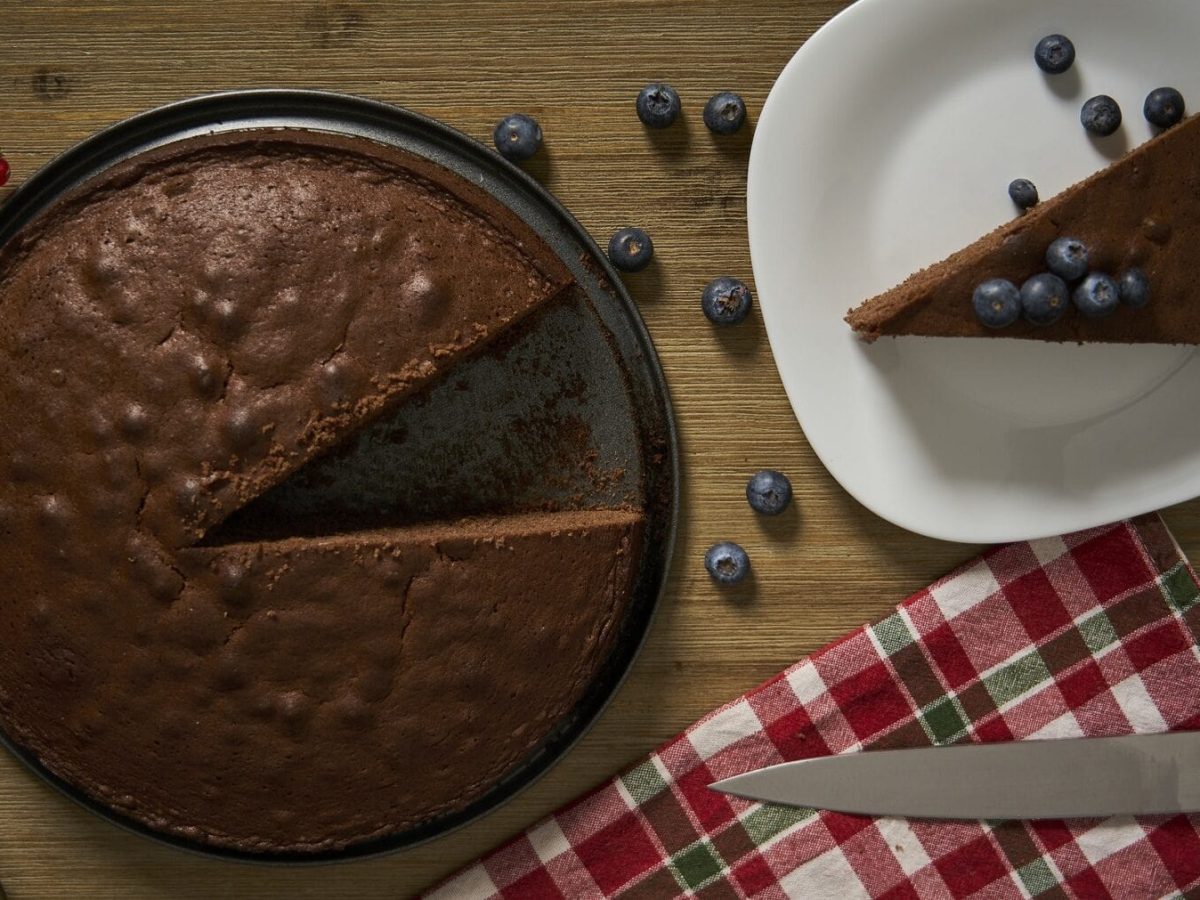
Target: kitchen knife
x,y
1050,779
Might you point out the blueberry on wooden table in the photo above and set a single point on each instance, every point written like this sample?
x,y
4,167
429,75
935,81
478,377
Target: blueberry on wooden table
x,y
1023,192
1054,54
658,105
1067,257
1101,115
517,137
1044,299
724,113
1097,296
1163,107
726,301
727,562
769,492
630,249
997,303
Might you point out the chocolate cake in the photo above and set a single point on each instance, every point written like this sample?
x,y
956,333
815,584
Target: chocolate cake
x,y
309,693
224,309
179,335
1141,211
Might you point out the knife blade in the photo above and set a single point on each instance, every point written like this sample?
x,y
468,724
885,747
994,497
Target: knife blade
x,y
1041,779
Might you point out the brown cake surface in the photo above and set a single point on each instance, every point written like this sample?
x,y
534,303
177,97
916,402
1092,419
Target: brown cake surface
x,y
177,336
1142,210
221,310
306,694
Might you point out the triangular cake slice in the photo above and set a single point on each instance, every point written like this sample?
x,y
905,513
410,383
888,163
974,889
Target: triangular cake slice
x,y
1143,210
310,694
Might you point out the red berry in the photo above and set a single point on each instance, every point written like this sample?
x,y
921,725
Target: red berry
x,y
3,171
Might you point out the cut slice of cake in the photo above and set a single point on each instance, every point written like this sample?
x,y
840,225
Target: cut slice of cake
x,y
310,694
229,306
1142,211
177,336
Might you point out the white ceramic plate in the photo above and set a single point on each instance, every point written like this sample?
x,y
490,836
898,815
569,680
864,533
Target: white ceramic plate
x,y
888,142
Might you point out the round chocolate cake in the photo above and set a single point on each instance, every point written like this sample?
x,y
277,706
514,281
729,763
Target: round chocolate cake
x,y
178,336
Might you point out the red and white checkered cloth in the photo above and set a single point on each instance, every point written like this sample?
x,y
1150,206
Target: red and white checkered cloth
x,y
1094,633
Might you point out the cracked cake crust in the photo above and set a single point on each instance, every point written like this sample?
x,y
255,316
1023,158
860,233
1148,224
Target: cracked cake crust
x,y
388,677
178,336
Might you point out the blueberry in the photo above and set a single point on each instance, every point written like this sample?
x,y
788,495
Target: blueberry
x,y
1097,296
630,249
1101,115
1023,192
517,137
1054,54
769,492
1134,288
726,301
1067,258
725,112
1044,298
997,303
658,105
727,563
1164,107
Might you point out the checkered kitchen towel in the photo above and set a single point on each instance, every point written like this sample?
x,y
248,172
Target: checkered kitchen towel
x,y
1090,634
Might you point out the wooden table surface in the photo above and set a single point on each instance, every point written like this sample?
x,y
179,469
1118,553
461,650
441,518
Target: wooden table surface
x,y
69,68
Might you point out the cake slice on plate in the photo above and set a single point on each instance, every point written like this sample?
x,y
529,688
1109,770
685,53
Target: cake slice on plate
x,y
1142,211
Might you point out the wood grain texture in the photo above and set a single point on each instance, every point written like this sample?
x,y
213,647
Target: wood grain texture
x,y
70,68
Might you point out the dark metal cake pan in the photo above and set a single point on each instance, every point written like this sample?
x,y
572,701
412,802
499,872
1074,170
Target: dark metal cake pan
x,y
571,409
